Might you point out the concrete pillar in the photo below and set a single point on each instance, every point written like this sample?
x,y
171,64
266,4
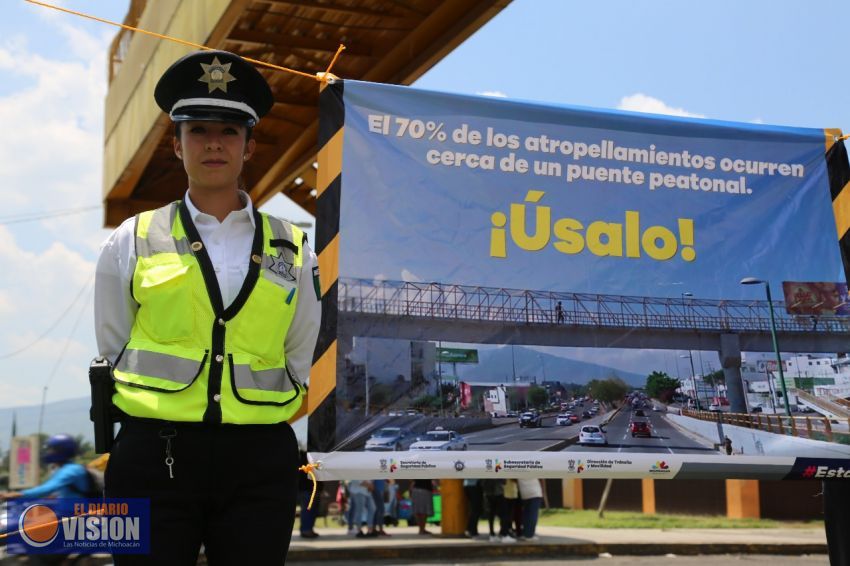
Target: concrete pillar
x,y
648,491
453,522
572,493
730,361
742,499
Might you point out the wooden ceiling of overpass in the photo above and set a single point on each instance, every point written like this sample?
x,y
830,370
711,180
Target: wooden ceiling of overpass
x,y
390,41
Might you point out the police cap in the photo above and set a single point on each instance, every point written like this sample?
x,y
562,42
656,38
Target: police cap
x,y
213,85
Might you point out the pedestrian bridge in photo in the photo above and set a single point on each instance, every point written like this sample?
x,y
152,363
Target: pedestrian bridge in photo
x,y
488,315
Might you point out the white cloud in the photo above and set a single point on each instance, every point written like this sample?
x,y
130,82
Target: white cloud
x,y
52,148
6,306
410,277
493,93
640,102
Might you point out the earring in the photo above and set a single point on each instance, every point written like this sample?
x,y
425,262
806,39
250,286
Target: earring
x,y
244,158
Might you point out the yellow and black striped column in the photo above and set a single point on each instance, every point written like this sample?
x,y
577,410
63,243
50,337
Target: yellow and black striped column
x,y
321,399
838,170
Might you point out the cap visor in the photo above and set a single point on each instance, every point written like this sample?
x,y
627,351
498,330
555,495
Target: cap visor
x,y
212,114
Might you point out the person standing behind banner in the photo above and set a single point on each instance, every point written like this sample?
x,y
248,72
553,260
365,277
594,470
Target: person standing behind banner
x,y
510,511
422,497
392,497
474,500
209,311
531,493
378,493
495,504
362,508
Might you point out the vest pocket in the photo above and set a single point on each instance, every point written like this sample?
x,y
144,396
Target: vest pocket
x,y
255,383
156,371
164,292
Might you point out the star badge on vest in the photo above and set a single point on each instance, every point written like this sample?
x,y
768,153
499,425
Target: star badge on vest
x,y
214,86
280,267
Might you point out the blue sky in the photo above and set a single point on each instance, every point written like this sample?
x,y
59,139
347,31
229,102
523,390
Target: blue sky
x,y
775,62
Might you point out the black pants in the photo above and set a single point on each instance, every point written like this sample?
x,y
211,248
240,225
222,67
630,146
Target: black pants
x,y
234,490
475,501
836,510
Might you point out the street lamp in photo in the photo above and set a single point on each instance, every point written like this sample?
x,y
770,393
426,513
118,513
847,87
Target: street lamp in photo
x,y
686,295
754,281
693,379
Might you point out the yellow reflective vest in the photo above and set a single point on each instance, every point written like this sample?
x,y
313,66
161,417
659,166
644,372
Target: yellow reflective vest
x,y
189,358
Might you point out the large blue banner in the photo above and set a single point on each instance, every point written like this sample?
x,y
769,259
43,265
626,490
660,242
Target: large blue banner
x,y
484,191
546,241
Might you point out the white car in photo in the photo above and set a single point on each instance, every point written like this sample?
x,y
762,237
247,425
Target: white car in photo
x,y
591,434
388,439
439,439
563,420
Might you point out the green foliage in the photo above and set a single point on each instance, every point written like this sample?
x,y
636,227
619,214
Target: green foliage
x,y
515,402
575,389
715,377
608,390
661,386
537,396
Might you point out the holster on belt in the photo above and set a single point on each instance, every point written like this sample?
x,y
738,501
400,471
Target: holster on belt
x,y
102,412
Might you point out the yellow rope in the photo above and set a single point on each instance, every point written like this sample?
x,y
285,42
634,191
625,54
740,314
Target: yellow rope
x,y
59,522
322,79
339,50
308,469
842,138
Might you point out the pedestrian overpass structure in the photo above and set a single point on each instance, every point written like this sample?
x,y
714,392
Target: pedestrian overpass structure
x,y
827,407
487,315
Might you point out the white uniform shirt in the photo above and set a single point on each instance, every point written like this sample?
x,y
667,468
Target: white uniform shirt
x,y
228,245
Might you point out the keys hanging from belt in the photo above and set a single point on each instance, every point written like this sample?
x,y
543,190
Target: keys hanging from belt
x,y
167,434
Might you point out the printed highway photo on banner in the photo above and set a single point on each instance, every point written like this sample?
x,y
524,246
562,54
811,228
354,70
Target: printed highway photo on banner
x,y
520,288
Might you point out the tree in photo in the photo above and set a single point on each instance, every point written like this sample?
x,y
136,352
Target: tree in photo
x,y
537,396
661,386
608,390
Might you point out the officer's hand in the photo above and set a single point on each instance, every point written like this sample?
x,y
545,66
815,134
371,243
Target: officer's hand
x,y
9,495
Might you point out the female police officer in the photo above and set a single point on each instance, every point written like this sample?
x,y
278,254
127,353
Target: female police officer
x,y
208,310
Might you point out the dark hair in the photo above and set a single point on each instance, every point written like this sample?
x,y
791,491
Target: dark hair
x,y
249,131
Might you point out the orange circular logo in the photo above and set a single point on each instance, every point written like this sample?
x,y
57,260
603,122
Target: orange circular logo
x,y
38,525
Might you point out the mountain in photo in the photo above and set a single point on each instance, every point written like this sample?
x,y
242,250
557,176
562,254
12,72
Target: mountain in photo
x,y
501,365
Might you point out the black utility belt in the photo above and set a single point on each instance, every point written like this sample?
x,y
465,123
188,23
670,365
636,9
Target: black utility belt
x,y
140,423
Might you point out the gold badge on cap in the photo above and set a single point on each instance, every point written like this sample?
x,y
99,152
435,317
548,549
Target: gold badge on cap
x,y
217,75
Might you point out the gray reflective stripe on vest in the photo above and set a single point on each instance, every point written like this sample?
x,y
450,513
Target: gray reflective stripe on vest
x,y
263,380
159,239
162,366
281,230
